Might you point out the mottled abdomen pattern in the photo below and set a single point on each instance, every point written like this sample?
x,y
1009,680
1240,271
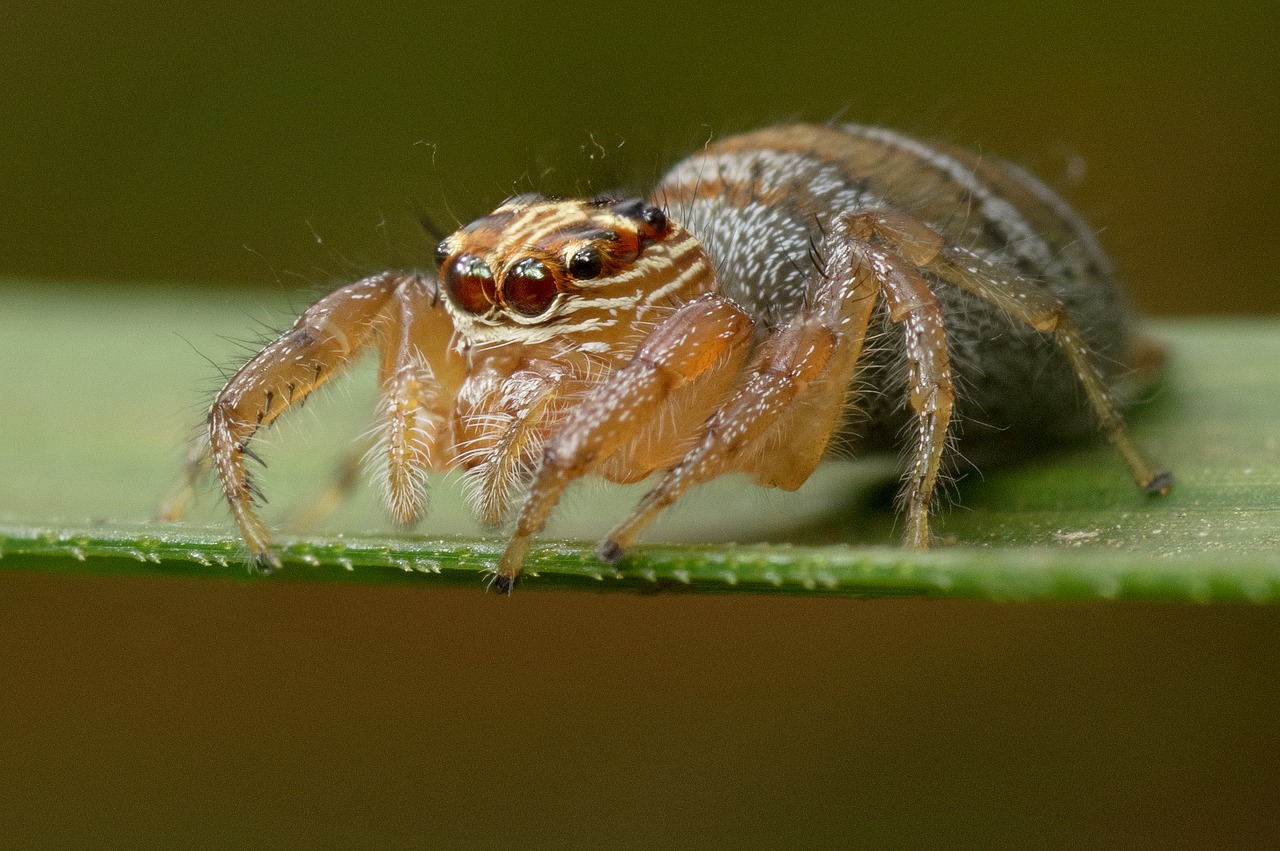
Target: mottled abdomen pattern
x,y
764,203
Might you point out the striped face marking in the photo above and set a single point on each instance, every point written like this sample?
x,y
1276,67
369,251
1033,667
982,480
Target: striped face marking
x,y
535,268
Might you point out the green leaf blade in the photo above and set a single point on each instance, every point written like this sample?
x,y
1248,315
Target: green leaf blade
x,y
102,398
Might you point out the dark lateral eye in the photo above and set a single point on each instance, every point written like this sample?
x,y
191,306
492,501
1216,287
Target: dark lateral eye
x,y
586,264
655,219
469,281
529,288
653,222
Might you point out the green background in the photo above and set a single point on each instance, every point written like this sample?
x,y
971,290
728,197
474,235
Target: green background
x,y
272,149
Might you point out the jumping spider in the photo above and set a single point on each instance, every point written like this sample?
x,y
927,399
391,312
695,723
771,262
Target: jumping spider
x,y
722,324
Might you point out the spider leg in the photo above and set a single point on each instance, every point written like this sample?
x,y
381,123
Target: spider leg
x,y
931,390
685,346
417,374
788,362
785,455
412,410
346,476
324,338
198,464
898,247
507,450
1044,312
800,379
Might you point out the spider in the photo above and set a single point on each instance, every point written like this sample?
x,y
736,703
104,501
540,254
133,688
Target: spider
x,y
778,293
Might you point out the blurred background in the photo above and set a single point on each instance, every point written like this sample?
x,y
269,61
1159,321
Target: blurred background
x,y
285,144
271,149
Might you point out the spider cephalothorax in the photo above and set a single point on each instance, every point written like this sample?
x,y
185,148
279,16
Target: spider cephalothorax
x,y
717,326
535,269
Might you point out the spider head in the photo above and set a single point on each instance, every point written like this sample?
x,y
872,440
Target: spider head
x,y
536,267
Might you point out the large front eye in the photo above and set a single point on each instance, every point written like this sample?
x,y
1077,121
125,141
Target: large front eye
x,y
469,281
529,287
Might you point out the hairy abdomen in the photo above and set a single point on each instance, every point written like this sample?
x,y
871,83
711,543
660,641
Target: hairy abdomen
x,y
763,203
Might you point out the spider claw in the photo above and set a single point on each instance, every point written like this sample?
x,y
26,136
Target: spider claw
x,y
610,551
1160,484
266,562
503,584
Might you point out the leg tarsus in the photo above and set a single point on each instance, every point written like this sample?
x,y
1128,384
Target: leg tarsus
x,y
1160,484
610,551
503,584
266,562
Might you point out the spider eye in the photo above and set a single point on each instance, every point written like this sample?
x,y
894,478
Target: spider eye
x,y
469,281
652,221
529,288
655,219
586,264
441,255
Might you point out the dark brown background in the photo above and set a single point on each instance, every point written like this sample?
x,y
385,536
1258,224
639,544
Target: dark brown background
x,y
282,146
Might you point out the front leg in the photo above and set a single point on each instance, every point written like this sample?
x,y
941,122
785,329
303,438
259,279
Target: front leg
x,y
500,430
788,363
325,338
684,347
418,377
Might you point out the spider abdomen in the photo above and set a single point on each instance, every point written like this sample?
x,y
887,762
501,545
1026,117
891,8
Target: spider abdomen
x,y
765,204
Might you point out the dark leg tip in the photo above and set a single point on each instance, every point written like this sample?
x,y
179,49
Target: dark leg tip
x,y
266,563
503,584
609,551
1162,483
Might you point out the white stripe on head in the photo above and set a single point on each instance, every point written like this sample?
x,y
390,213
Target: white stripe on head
x,y
548,217
698,267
